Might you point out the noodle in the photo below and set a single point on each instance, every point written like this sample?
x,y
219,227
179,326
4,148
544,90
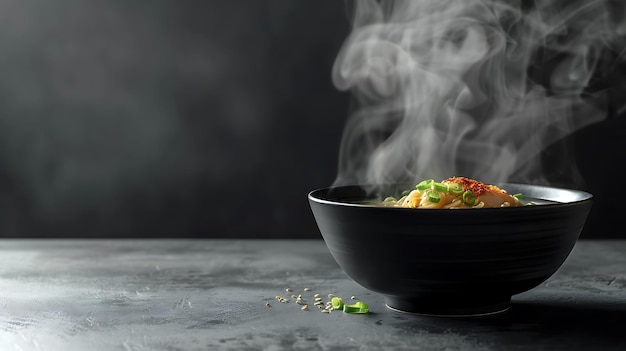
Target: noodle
x,y
454,193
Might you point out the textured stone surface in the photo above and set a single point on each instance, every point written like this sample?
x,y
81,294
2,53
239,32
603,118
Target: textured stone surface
x,y
212,294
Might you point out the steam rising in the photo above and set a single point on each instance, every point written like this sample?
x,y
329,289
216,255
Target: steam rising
x,y
469,88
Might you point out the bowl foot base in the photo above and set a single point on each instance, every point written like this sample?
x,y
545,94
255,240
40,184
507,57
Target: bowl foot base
x,y
450,306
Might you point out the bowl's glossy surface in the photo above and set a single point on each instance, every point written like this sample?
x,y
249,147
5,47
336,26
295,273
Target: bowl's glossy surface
x,y
459,262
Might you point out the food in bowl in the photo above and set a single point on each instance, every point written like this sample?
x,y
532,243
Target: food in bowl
x,y
452,193
449,262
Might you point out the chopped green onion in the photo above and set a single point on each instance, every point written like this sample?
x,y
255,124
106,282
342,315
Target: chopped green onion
x,y
518,196
440,187
434,196
455,188
424,184
358,307
390,199
405,193
468,198
337,303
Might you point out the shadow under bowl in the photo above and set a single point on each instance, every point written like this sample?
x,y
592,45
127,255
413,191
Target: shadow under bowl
x,y
463,262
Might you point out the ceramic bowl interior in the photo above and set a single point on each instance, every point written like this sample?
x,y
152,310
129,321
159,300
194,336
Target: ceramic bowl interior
x,y
450,262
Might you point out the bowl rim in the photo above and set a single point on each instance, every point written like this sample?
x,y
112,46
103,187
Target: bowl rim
x,y
585,197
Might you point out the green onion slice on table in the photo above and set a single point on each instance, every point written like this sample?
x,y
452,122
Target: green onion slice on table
x,y
358,307
337,303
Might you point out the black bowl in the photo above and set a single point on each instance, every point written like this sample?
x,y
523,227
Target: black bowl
x,y
450,262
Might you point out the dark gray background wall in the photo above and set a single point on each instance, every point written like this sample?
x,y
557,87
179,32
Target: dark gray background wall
x,y
192,119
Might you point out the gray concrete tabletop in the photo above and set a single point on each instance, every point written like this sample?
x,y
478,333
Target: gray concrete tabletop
x,y
219,294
